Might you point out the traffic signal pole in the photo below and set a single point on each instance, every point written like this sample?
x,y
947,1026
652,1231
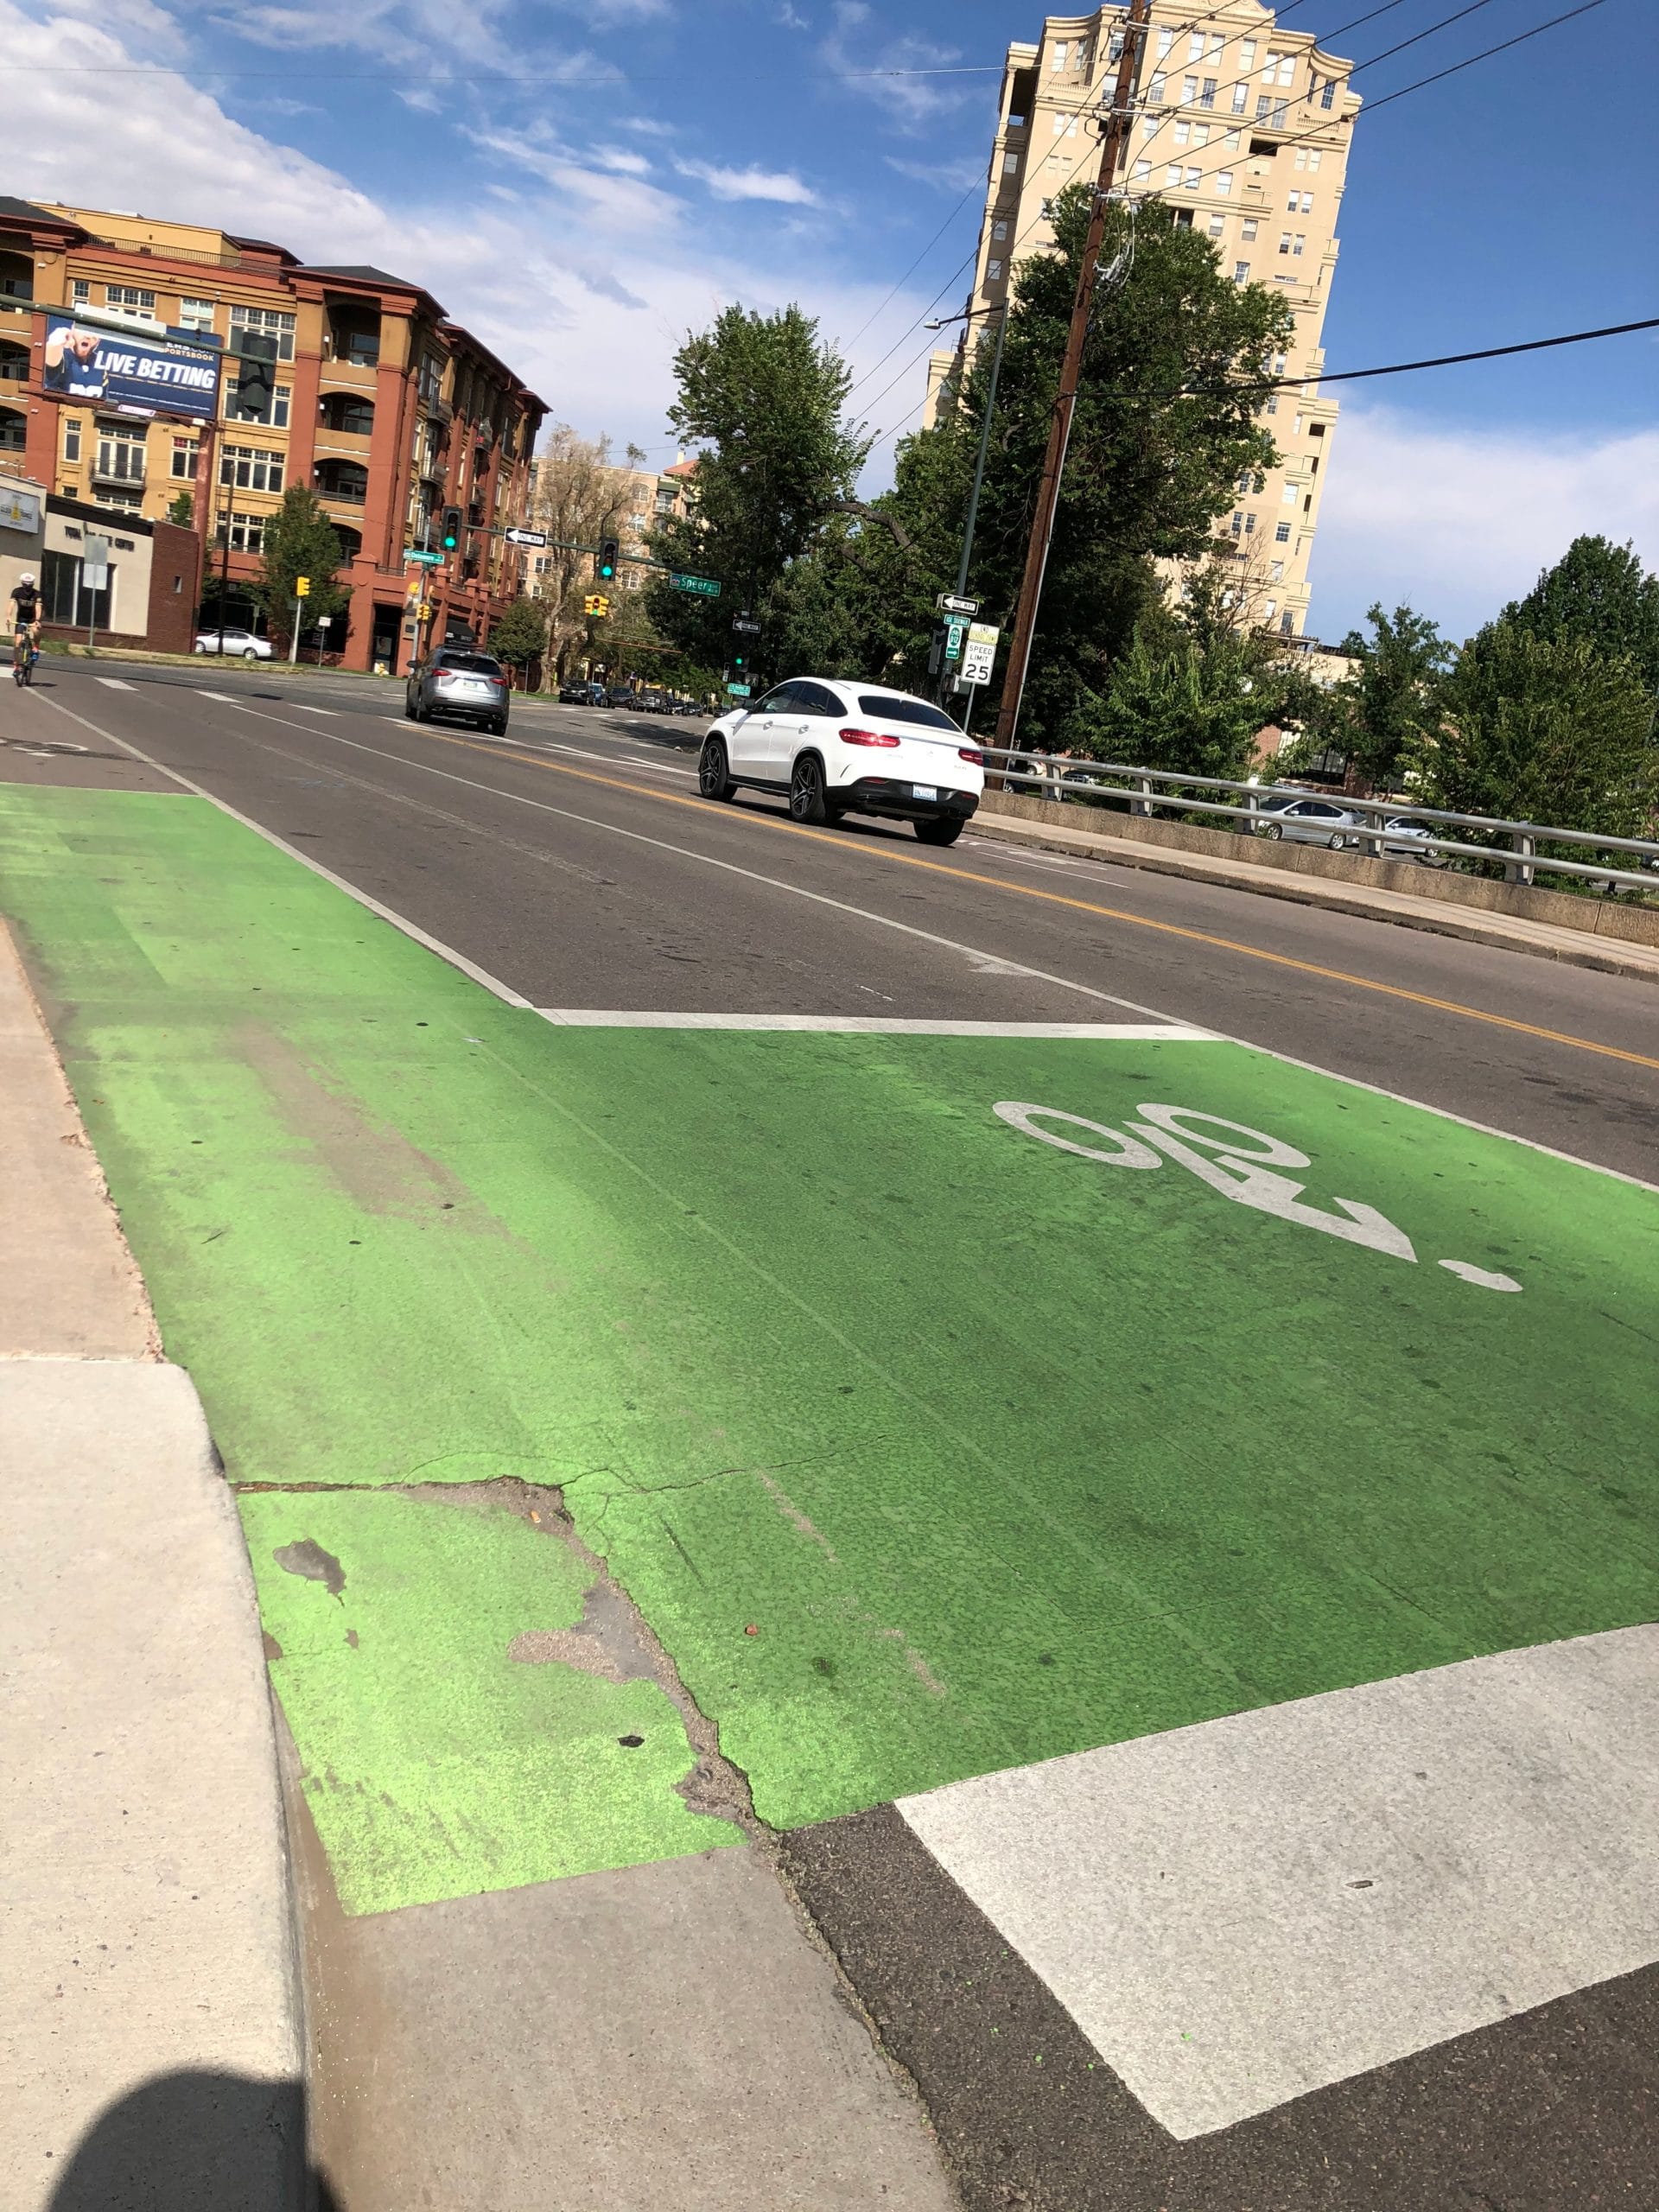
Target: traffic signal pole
x,y
1065,399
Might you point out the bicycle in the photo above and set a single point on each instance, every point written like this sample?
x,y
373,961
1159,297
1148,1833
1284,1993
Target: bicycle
x,y
24,654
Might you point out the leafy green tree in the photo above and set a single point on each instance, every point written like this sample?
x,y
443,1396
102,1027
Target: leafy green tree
x,y
182,509
1192,691
760,398
1387,712
1546,729
520,633
1600,591
299,541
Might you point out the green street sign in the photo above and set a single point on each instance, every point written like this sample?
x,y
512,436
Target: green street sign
x,y
425,560
708,586
738,691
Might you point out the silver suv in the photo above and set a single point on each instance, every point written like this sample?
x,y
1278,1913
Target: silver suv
x,y
455,681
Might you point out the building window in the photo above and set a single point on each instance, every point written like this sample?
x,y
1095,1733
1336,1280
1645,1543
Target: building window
x,y
128,497
1270,404
281,401
1217,225
1238,522
1271,609
1059,61
993,271
184,456
195,315
1192,181
1288,497
999,232
272,321
1200,134
1142,171
1115,46
120,453
80,292
1248,232
1172,177
72,440
1230,142
250,468
1287,68
1284,241
1063,126
1276,120
1276,572
1296,250
1224,183
1151,126
1188,91
1249,526
1241,272
63,598
1010,164
1328,95
247,532
1241,95
1166,40
129,296
1183,133
1195,47
1156,89
1218,41
1281,533
1207,94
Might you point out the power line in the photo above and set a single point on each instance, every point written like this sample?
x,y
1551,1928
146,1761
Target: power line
x,y
914,266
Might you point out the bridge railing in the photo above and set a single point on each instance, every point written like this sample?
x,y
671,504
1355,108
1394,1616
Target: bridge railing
x,y
1257,809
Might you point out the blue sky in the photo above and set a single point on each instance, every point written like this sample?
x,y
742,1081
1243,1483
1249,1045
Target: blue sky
x,y
582,182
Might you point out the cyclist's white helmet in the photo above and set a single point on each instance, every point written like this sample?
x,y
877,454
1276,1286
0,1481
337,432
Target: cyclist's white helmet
x,y
28,576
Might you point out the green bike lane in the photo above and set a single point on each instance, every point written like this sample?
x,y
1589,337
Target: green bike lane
x,y
931,1439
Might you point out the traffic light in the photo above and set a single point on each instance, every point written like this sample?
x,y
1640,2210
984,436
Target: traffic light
x,y
449,530
596,603
302,586
610,552
739,662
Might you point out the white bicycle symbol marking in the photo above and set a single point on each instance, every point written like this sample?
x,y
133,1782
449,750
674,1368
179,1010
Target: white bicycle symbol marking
x,y
1240,1163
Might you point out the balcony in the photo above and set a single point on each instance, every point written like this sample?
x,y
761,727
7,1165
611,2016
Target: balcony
x,y
344,482
120,465
14,365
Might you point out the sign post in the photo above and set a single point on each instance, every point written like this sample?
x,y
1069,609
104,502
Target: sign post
x,y
323,620
95,578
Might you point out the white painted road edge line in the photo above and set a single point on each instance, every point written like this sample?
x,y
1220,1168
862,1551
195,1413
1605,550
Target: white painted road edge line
x,y
875,1025
1242,1912
304,707
999,965
113,683
468,968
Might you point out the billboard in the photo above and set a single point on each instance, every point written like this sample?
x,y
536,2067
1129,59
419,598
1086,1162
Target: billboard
x,y
130,374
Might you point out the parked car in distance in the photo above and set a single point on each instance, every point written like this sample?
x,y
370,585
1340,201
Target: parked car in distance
x,y
581,694
1403,834
620,696
457,684
239,644
688,707
654,703
1306,820
838,747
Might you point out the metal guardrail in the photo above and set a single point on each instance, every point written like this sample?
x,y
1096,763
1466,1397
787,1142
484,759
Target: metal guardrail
x,y
1067,776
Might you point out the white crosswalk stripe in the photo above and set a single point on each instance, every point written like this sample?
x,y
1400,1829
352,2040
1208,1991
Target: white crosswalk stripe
x,y
1242,1912
303,707
113,683
223,697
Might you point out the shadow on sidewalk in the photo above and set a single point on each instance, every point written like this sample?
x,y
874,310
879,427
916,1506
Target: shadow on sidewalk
x,y
197,2142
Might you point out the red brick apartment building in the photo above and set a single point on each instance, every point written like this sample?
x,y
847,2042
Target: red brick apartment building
x,y
141,359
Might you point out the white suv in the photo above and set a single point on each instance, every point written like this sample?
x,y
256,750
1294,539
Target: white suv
x,y
840,748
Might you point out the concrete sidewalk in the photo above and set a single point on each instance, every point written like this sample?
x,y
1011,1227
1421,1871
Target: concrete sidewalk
x,y
1511,933
150,2030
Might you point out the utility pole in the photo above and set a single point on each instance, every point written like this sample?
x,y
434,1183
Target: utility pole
x,y
1065,399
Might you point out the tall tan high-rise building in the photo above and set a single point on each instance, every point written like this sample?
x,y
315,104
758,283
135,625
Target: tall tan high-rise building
x,y
1243,130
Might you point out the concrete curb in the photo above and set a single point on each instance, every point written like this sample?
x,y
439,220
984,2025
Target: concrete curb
x,y
151,2024
1542,940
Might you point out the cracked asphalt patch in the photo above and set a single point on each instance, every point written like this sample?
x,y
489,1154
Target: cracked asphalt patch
x,y
434,1762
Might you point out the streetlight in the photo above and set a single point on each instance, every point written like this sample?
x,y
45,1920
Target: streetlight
x,y
967,315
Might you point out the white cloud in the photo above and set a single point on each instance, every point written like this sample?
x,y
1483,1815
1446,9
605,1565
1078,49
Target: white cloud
x,y
855,50
751,183
1458,521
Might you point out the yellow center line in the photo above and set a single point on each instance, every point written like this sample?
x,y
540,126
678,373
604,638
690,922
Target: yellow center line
x,y
1059,898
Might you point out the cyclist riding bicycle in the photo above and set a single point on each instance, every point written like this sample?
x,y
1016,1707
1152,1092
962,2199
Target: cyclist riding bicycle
x,y
23,618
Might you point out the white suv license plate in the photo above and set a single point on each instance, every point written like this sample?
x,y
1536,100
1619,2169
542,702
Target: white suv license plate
x,y
926,790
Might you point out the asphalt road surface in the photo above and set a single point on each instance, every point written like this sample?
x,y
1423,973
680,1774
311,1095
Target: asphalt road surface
x,y
1147,1492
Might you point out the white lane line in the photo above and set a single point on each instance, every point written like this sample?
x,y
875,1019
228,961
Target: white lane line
x,y
303,707
113,683
873,1024
468,968
224,698
1240,1912
992,962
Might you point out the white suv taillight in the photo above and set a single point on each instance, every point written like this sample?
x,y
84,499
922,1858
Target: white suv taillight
x,y
866,737
974,760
